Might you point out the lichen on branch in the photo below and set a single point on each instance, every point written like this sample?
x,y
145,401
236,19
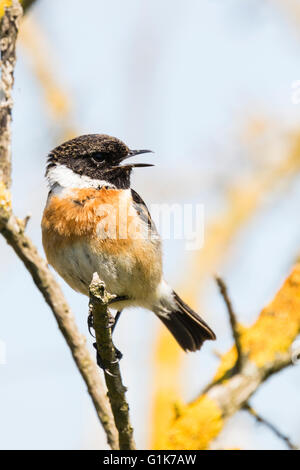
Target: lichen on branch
x,y
266,348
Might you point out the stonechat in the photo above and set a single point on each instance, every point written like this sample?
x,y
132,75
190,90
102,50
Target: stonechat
x,y
95,222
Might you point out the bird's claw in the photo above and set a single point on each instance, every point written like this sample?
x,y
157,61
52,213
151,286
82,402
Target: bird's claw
x,y
90,322
119,355
100,362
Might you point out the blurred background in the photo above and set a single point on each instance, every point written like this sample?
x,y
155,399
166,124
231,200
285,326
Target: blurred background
x,y
209,87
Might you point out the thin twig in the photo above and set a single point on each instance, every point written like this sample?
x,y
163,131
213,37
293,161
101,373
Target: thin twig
x,y
271,426
99,301
233,322
13,231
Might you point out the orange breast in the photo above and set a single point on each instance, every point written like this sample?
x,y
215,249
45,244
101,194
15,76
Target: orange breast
x,y
106,220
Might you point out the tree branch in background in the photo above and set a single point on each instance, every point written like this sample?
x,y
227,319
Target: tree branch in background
x,y
42,59
99,301
267,350
233,323
13,231
271,426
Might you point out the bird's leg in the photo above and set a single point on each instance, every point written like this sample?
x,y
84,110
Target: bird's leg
x,y
116,319
112,320
90,322
119,355
101,363
111,324
118,298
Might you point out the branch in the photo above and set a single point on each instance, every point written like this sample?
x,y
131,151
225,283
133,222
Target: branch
x,y
233,322
271,426
13,231
267,350
9,26
99,301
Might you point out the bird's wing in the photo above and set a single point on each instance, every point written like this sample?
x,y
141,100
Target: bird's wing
x,y
143,211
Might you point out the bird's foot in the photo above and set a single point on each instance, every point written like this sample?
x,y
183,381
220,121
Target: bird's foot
x,y
105,367
119,355
90,322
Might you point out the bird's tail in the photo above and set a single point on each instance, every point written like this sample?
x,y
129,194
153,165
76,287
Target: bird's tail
x,y
187,327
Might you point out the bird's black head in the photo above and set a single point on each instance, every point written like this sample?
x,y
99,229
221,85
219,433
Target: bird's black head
x,y
97,156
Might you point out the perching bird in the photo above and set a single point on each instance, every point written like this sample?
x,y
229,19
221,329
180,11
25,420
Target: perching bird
x,y
95,222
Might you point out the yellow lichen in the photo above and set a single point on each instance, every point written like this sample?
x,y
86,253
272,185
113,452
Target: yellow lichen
x,y
5,199
275,329
278,324
4,4
273,333
197,426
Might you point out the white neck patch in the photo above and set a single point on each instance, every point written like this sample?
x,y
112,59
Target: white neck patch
x,y
61,177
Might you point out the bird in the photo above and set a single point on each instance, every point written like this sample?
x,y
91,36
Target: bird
x,y
94,221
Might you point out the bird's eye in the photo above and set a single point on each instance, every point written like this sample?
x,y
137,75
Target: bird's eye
x,y
99,157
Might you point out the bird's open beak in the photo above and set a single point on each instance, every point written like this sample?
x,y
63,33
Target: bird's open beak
x,y
133,153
